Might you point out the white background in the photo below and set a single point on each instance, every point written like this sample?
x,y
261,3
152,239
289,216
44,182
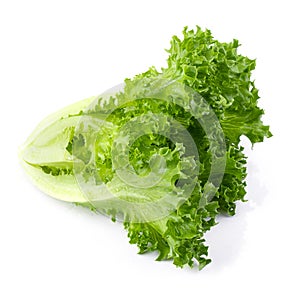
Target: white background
x,y
53,53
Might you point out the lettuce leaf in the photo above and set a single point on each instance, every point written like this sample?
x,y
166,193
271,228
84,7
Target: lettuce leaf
x,y
162,154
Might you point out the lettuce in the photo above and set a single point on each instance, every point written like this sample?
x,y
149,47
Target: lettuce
x,y
161,152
